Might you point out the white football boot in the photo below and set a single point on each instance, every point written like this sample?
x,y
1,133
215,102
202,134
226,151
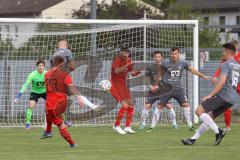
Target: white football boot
x,y
129,130
119,129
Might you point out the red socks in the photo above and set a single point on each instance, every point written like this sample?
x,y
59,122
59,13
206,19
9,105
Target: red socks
x,y
65,134
120,115
49,124
129,116
227,115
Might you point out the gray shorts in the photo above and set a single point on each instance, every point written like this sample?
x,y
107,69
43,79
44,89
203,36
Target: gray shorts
x,y
216,105
177,93
151,98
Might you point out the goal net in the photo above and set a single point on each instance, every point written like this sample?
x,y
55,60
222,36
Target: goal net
x,y
93,44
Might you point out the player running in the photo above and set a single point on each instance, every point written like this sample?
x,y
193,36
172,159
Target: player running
x,y
222,97
173,68
153,72
36,78
58,81
121,66
228,112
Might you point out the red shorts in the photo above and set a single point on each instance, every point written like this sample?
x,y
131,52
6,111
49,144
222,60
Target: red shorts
x,y
56,114
120,92
238,89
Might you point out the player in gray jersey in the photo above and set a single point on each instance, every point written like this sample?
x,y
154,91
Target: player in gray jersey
x,y
64,51
222,97
173,70
152,72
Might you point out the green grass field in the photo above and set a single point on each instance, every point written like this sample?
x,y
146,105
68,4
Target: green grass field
x,y
102,143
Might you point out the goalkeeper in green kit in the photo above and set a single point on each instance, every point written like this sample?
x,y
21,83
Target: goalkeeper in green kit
x,y
36,78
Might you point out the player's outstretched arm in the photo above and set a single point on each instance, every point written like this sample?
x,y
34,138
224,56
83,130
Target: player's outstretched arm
x,y
24,87
17,97
217,88
135,72
118,70
216,75
194,71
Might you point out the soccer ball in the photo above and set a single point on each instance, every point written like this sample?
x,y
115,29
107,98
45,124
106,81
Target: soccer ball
x,y
105,85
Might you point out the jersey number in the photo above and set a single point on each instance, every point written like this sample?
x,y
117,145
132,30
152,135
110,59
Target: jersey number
x,y
235,76
51,85
175,73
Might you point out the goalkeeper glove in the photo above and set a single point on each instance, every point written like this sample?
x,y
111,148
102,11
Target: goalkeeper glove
x,y
17,97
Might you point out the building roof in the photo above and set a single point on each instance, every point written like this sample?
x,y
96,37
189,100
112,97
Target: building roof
x,y
20,8
226,5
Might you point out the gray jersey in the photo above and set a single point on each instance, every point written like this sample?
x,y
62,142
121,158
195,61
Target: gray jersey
x,y
228,92
66,53
173,71
152,72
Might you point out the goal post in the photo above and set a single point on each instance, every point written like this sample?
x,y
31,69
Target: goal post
x,y
24,41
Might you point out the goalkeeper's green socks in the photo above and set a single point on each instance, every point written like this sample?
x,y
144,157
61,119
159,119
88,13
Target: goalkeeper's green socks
x,y
28,115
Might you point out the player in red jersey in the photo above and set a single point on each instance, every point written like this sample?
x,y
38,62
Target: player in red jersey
x,y
57,83
121,66
227,113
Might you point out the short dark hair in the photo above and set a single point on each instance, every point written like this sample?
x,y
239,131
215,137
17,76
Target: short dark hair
x,y
39,62
158,52
58,60
61,39
124,48
230,46
174,49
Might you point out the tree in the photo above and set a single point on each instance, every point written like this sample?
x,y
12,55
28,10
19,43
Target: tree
x,y
123,9
208,38
160,4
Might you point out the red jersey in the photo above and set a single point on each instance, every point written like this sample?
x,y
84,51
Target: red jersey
x,y
56,82
218,71
120,79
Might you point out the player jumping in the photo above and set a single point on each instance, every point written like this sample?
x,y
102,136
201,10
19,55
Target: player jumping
x,y
152,73
121,66
36,78
222,97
